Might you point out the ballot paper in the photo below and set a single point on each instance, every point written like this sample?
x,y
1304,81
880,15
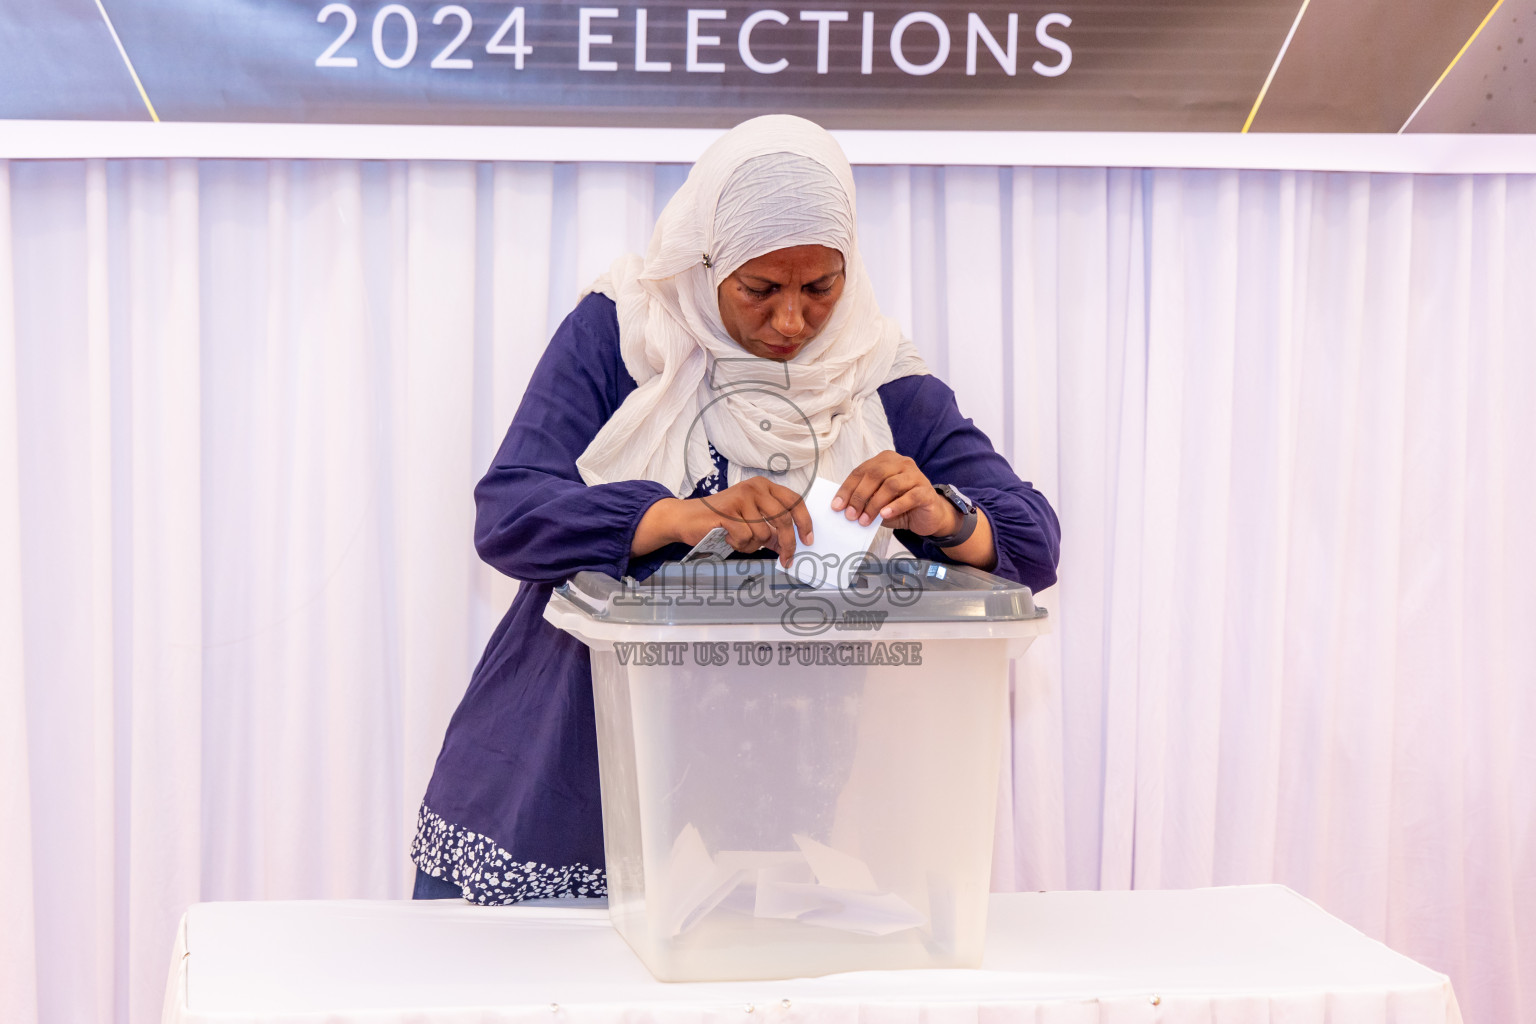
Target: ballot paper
x,y
838,540
782,890
862,913
834,868
843,895
696,883
816,885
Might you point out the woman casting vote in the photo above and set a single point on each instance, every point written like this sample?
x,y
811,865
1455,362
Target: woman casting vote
x,y
630,422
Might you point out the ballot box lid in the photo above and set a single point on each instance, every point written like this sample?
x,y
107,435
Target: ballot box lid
x,y
757,590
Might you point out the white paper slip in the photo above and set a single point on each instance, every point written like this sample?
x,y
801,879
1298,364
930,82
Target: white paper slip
x,y
864,913
839,540
834,868
695,883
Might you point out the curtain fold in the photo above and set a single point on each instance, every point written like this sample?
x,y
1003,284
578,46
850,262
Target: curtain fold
x,y
1285,417
18,940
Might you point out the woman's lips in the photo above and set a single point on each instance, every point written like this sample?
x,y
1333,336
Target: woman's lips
x,y
788,348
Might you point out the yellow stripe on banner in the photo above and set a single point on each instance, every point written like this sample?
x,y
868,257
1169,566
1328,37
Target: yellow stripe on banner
x,y
1464,46
1276,67
132,73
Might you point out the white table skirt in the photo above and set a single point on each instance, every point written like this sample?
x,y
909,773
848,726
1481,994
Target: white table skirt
x,y
1242,955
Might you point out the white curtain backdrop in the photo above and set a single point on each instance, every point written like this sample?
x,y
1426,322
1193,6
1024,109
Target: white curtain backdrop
x,y
1288,420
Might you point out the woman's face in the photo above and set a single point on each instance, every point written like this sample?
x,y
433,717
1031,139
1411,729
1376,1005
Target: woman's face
x,y
773,305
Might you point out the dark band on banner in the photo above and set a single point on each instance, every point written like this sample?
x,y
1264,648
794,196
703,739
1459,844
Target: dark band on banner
x,y
1080,65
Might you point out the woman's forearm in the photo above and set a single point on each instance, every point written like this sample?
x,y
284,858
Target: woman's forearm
x,y
979,549
657,528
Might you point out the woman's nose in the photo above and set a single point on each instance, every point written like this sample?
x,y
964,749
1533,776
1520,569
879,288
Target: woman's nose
x,y
788,320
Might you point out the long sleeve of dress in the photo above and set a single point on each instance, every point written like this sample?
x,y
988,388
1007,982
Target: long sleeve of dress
x,y
535,519
927,426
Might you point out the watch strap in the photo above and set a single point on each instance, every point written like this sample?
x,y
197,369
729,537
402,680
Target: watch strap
x,y
968,521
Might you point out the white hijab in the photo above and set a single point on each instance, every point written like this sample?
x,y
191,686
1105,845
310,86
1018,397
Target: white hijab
x,y
767,184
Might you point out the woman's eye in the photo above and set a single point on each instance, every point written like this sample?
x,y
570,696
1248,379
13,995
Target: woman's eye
x,y
814,290
761,293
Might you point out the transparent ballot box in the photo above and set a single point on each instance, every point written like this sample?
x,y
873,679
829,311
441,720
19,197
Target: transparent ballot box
x,y
799,780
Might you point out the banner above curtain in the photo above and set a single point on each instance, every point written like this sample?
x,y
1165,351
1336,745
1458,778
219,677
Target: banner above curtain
x,y
1358,66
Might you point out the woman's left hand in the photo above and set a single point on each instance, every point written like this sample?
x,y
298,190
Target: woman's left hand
x,y
890,487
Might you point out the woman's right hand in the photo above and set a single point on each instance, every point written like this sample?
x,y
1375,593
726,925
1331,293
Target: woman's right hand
x,y
756,514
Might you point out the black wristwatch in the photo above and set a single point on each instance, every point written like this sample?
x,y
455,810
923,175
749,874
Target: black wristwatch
x,y
968,517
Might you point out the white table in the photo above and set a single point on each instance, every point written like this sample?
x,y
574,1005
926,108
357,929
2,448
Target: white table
x,y
1258,954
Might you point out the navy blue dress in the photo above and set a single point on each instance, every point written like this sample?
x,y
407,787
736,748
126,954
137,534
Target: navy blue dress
x,y
512,811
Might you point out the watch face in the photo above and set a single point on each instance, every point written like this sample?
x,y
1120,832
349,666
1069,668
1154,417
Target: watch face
x,y
957,499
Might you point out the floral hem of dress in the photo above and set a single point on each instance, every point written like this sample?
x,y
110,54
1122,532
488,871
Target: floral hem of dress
x,y
489,875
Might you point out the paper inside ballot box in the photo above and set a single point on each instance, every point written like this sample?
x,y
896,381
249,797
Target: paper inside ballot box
x,y
815,885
